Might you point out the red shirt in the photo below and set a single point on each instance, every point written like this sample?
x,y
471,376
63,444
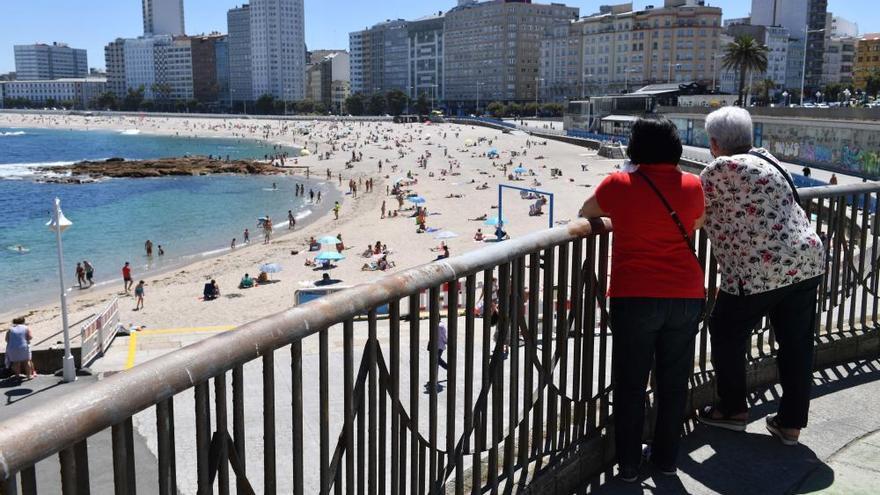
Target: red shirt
x,y
649,257
126,272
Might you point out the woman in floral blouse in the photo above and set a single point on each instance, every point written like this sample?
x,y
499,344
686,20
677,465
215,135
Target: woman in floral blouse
x,y
770,262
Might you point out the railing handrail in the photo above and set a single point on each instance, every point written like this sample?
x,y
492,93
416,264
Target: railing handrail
x,y
50,429
822,192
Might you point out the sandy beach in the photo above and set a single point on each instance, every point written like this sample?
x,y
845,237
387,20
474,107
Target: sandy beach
x,y
447,163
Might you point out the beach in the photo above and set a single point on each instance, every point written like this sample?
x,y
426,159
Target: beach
x,y
448,167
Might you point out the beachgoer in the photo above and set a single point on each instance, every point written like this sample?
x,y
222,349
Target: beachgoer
x,y
247,236
833,180
139,296
479,235
291,220
656,289
126,277
764,272
383,209
80,275
246,282
18,349
444,253
336,209
438,344
161,251
340,246
232,245
90,272
211,291
148,247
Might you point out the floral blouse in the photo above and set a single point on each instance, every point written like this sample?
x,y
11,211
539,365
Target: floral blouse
x,y
761,237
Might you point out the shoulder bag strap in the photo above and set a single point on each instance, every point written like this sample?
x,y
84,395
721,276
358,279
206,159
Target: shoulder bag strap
x,y
779,168
672,213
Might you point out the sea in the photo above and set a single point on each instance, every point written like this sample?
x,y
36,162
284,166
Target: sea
x,y
190,217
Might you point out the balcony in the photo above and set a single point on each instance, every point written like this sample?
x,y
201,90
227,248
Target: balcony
x,y
343,393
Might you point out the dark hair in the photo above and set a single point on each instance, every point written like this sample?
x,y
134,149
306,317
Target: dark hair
x,y
654,141
18,321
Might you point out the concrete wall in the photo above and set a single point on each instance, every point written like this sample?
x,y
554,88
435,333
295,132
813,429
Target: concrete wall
x,y
845,140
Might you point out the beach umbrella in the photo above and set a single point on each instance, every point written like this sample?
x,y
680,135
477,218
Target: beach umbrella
x,y
520,170
494,221
329,239
418,200
304,152
446,234
399,180
330,256
270,267
468,142
493,151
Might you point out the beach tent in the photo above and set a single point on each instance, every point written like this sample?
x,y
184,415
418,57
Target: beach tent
x,y
330,256
418,200
520,170
304,152
329,239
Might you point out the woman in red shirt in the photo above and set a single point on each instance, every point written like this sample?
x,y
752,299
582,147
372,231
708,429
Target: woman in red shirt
x,y
656,289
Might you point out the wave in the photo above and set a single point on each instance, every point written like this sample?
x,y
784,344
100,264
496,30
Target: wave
x,y
130,132
17,170
13,133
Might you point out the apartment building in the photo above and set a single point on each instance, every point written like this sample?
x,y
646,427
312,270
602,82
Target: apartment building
x,y
55,61
114,61
867,60
79,92
278,49
238,25
380,58
425,74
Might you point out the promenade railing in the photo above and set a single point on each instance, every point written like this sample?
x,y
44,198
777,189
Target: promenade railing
x,y
357,420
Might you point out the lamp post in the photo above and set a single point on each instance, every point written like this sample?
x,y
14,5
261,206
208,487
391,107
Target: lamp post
x,y
846,95
785,96
669,66
818,97
715,69
479,90
59,224
537,105
626,73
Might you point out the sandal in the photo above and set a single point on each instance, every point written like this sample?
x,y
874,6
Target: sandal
x,y
776,430
725,421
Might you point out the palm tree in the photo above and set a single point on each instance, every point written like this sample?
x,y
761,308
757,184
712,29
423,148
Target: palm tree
x,y
745,55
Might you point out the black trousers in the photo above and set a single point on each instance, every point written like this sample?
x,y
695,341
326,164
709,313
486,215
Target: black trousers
x,y
647,330
792,312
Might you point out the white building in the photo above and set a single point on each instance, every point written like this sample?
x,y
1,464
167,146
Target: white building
x,y
80,92
278,49
838,27
163,17
55,61
840,55
174,74
238,22
776,38
140,64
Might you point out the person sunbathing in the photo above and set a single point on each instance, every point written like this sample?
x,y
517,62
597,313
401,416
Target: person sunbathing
x,y
479,235
479,218
211,291
246,282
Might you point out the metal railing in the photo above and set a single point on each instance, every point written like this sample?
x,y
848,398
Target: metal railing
x,y
353,414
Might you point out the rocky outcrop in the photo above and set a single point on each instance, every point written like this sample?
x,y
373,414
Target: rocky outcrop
x,y
163,167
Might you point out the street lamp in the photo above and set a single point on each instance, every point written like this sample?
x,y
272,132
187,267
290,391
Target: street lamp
x,y
669,66
59,224
846,95
626,73
714,68
537,79
785,96
479,90
818,96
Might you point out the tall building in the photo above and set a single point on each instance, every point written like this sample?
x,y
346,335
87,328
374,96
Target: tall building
x,y
838,27
174,69
278,49
163,17
805,20
114,60
238,23
839,60
380,58
221,54
205,61
78,92
140,64
426,56
55,61
492,49
620,48
867,60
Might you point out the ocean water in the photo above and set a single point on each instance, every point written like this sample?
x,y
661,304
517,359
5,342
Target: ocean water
x,y
191,217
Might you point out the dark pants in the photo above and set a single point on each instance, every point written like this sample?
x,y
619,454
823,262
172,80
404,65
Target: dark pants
x,y
645,330
792,312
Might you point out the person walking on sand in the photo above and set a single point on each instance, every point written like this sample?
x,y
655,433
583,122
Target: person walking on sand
x,y
148,247
383,209
139,296
80,275
336,209
90,272
440,344
232,246
247,236
126,277
18,349
291,220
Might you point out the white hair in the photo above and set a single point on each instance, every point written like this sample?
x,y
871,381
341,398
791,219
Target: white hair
x,y
731,128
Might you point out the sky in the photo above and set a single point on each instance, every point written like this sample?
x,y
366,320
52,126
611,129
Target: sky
x,y
91,24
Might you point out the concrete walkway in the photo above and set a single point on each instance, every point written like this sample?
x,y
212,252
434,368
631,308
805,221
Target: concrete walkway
x,y
839,451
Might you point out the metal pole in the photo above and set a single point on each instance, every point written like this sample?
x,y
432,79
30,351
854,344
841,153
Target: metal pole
x,y
714,70
500,206
68,367
536,96
804,67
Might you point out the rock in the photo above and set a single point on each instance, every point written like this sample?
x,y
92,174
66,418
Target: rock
x,y
191,165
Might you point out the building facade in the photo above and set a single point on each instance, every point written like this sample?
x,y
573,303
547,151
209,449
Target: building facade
x,y
206,83
140,64
163,17
114,60
492,49
426,57
80,93
55,61
561,69
278,49
174,70
867,60
238,23
839,60
776,39
380,58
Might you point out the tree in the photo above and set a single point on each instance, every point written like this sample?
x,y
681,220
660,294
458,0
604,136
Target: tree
x,y
495,109
133,99
872,84
763,88
513,110
376,106
552,109
530,108
265,104
320,108
106,100
397,101
355,104
423,106
745,55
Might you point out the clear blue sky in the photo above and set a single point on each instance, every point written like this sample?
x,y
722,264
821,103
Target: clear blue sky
x,y
90,24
